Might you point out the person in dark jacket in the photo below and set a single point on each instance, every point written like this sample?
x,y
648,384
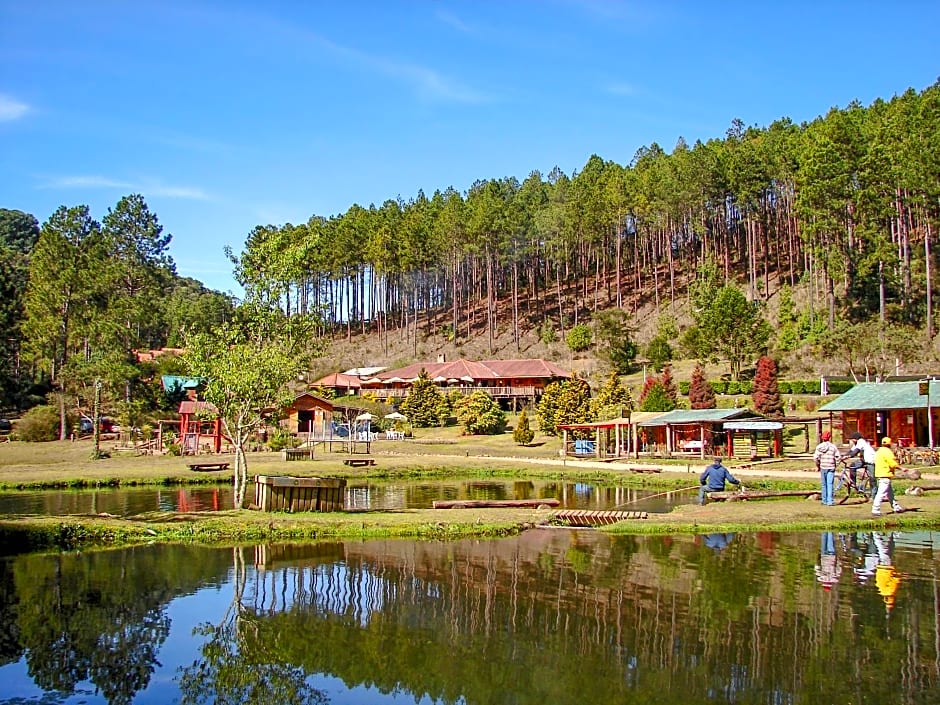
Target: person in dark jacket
x,y
713,479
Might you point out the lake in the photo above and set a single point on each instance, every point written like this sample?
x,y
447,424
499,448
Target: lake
x,y
360,494
551,616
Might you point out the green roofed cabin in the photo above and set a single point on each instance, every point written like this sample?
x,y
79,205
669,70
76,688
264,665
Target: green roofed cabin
x,y
894,409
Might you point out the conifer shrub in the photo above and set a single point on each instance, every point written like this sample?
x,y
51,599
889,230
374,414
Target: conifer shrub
x,y
522,434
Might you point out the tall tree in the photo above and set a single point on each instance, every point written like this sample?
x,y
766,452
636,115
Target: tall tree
x,y
18,234
766,393
64,298
701,394
248,364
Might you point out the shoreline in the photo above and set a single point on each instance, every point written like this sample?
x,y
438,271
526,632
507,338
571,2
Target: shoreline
x,y
31,533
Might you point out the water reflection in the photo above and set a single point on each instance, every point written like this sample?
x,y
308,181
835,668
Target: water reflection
x,y
549,616
360,495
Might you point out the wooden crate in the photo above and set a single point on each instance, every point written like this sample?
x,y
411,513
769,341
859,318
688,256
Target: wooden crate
x,y
281,493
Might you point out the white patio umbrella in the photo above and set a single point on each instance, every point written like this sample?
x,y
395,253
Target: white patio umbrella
x,y
396,416
365,416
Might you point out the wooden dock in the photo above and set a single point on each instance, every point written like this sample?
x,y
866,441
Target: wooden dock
x,y
281,493
589,517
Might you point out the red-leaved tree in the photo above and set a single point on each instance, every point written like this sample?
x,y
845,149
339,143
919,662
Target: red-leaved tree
x,y
701,394
766,393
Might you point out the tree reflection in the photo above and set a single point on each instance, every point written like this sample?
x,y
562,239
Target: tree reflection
x,y
99,617
236,667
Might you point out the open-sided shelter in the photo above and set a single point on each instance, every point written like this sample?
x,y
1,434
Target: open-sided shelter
x,y
698,432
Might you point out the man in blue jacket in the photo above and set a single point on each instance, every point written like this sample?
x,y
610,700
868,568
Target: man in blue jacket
x,y
713,479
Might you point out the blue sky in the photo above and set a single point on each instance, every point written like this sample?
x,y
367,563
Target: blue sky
x,y
228,115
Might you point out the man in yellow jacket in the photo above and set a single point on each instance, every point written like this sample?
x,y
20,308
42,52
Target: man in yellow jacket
x,y
885,465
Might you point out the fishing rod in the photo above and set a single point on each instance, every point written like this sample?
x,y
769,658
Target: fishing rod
x,y
653,496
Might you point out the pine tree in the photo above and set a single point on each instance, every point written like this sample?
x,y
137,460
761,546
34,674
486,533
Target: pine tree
x,y
563,403
766,394
669,386
654,396
522,434
423,405
701,394
613,400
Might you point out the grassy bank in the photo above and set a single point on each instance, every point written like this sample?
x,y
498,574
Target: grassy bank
x,y
56,465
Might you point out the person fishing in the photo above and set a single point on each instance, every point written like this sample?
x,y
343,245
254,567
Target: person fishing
x,y
713,479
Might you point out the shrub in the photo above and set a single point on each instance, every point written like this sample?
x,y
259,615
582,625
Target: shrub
x,y
796,386
684,388
281,439
840,386
547,333
579,338
522,434
718,385
811,387
784,387
480,414
41,423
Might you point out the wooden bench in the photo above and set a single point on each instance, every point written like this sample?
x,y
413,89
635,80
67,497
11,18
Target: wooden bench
x,y
358,462
208,467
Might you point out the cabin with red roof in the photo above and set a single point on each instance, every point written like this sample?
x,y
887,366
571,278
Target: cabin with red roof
x,y
509,381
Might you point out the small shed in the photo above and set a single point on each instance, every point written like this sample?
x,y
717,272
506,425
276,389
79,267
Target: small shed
x,y
895,409
694,431
309,414
754,439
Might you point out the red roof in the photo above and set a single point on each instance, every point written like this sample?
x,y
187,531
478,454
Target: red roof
x,y
468,370
339,380
194,407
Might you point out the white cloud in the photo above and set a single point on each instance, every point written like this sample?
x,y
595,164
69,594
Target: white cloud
x,y
145,187
11,109
620,88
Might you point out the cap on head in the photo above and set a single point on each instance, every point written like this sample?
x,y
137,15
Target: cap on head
x,y
826,435
857,436
885,441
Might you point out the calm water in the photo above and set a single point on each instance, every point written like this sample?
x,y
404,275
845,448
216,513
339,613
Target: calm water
x,y
359,495
549,617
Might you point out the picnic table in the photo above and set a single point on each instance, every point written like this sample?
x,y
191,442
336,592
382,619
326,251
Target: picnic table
x,y
208,467
358,462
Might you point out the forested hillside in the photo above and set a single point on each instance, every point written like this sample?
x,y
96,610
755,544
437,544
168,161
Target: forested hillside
x,y
812,241
835,219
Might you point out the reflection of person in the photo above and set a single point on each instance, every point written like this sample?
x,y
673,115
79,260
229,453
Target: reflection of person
x,y
885,466
826,456
829,569
867,563
717,541
862,449
887,578
713,479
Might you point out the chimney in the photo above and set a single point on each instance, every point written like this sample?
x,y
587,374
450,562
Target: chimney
x,y
440,357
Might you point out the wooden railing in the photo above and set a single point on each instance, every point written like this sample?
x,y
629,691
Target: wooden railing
x,y
528,391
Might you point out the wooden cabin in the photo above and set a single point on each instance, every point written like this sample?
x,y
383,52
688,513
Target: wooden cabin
x,y
903,411
309,414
